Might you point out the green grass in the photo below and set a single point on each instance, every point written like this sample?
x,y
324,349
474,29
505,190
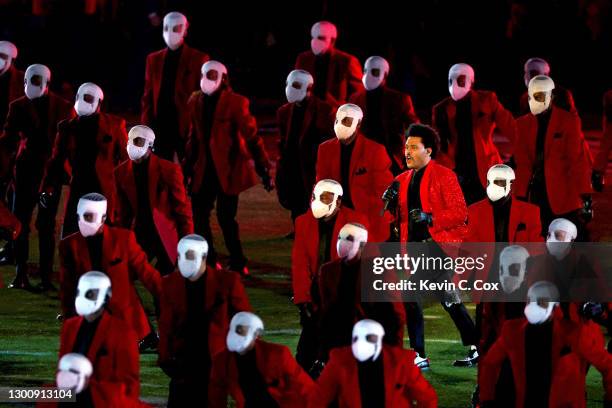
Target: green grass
x,y
29,333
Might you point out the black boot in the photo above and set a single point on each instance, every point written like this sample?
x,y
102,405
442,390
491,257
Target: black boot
x,y
21,280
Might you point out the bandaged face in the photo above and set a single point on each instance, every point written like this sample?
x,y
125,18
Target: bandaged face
x,y
245,328
91,211
351,239
540,94
543,297
561,234
325,198
73,372
499,181
298,83
192,251
36,80
175,28
460,80
512,267
93,290
323,36
375,71
212,76
348,118
140,140
367,340
8,52
88,99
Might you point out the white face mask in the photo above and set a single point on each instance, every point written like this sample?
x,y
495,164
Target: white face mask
x,y
512,267
171,20
558,249
73,371
68,380
191,268
136,152
371,82
540,84
83,108
458,92
536,314
295,95
495,192
319,47
238,343
3,64
347,110
367,340
538,107
350,240
98,211
87,301
208,86
320,209
33,92
173,40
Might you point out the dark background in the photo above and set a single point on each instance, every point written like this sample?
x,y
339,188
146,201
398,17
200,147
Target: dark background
x,y
259,41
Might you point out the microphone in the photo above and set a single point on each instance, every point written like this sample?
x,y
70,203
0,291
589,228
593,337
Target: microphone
x,y
390,195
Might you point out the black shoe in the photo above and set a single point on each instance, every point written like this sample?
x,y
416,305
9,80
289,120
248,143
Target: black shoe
x,y
470,360
21,282
149,343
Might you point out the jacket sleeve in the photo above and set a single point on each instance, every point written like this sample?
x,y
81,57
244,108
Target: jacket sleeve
x,y
504,120
127,362
490,368
148,275
146,102
582,163
10,134
453,211
180,203
590,347
418,388
67,280
167,331
354,73
238,299
605,145
218,389
55,166
300,383
300,275
248,130
327,387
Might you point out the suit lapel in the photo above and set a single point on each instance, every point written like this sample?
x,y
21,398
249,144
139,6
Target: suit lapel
x,y
101,330
356,156
550,132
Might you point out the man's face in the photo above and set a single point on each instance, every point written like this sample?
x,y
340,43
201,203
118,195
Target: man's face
x,y
174,29
92,217
375,72
461,80
242,330
540,97
559,235
297,85
89,98
347,121
326,197
500,182
417,156
36,80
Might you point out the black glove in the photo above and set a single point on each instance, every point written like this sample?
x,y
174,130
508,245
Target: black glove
x,y
390,195
267,181
316,369
592,310
45,199
598,181
418,216
586,213
305,313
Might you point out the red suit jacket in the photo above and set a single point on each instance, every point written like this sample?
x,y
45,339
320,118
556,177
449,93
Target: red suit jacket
x,y
343,74
330,281
15,88
601,161
317,127
123,261
234,144
370,175
305,253
397,114
573,345
22,120
567,160
225,296
286,381
188,77
104,394
487,115
113,352
172,214
404,383
441,196
111,141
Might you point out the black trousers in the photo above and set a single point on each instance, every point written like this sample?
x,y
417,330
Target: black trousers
x,y
152,245
189,392
25,200
308,344
203,203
